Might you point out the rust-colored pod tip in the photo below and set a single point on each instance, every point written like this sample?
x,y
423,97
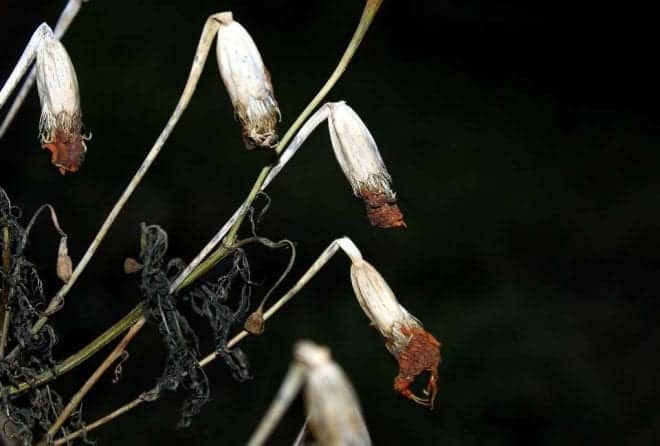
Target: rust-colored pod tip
x,y
383,212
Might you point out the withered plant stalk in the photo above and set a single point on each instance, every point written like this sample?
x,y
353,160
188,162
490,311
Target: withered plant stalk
x,y
220,246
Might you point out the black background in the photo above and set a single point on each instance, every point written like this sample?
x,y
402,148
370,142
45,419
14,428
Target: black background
x,y
523,143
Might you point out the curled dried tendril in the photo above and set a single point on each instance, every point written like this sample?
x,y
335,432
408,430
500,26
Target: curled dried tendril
x,y
209,300
29,414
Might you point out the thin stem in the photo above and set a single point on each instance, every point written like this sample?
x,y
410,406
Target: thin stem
x,y
77,398
24,62
285,395
344,243
101,421
368,14
208,33
81,356
5,310
66,18
300,438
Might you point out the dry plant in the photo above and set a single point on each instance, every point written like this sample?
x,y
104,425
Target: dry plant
x,y
34,413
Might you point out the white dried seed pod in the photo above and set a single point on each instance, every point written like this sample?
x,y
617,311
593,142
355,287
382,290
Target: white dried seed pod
x,y
248,83
333,409
60,125
359,158
380,304
415,349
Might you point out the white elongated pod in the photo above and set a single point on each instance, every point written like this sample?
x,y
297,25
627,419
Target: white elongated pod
x,y
60,126
360,160
415,349
248,83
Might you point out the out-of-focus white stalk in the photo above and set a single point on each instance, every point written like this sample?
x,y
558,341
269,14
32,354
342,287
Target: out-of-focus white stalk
x,y
333,410
287,392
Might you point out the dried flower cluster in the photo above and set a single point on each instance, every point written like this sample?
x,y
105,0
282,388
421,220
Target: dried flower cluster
x,y
334,413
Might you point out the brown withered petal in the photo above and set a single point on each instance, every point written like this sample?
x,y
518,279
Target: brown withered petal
x,y
422,354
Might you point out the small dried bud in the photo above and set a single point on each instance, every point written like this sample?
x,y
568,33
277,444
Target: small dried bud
x,y
359,158
60,125
255,323
248,83
64,266
333,409
415,349
132,266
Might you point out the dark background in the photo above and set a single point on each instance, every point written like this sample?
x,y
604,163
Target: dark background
x,y
524,148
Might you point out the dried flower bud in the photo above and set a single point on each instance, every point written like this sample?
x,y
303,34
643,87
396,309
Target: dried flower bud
x,y
60,125
132,266
64,266
333,409
255,323
415,349
359,158
248,83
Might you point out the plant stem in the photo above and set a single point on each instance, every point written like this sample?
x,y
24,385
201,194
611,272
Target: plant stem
x,y
24,62
101,421
5,310
77,398
285,395
81,356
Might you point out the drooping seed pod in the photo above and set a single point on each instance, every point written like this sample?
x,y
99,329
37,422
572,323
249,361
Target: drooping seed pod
x,y
60,126
415,349
248,83
359,158
333,409
64,266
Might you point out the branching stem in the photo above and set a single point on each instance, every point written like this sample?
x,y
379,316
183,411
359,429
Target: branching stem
x,y
344,243
77,398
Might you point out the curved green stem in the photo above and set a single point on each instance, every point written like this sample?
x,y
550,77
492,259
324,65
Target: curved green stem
x,y
81,356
